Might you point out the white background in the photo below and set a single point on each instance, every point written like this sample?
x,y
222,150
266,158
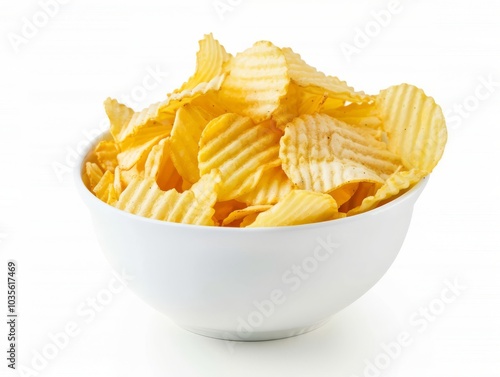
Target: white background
x,y
51,94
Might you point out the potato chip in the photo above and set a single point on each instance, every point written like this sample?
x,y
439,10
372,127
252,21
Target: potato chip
x,y
93,173
415,126
397,182
177,100
104,189
298,207
240,214
106,152
223,209
249,219
119,116
272,186
117,182
306,76
184,145
126,123
364,115
210,61
127,176
207,188
257,81
240,149
143,197
137,147
345,192
321,153
364,189
159,165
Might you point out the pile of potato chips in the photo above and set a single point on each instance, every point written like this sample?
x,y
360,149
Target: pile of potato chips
x,y
262,139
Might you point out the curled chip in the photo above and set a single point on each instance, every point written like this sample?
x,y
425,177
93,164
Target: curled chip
x,y
306,76
159,165
240,214
188,126
272,186
258,79
240,149
414,124
321,153
393,186
263,139
298,207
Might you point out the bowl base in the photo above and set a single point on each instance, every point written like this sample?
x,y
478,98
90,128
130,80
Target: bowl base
x,y
254,336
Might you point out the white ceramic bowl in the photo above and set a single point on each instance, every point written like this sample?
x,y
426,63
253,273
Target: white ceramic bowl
x,y
251,284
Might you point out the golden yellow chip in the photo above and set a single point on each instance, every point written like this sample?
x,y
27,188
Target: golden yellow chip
x,y
106,152
104,189
125,122
273,185
415,126
257,81
249,219
364,115
184,145
363,190
119,116
207,188
143,197
93,173
159,166
344,193
397,182
320,153
223,209
298,207
137,147
240,214
117,182
210,61
240,149
306,76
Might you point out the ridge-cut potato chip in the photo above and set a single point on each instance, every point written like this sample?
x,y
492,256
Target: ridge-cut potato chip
x,y
414,124
160,166
93,173
240,214
188,126
137,147
263,139
364,115
298,207
306,76
143,197
258,79
393,186
210,61
273,185
240,149
320,153
106,152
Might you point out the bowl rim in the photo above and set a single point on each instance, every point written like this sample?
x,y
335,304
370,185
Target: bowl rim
x,y
87,197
